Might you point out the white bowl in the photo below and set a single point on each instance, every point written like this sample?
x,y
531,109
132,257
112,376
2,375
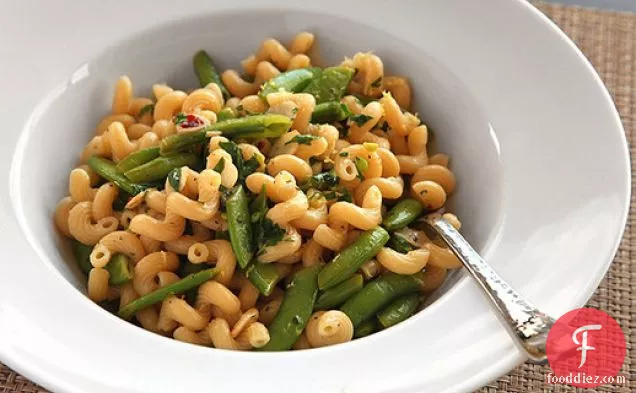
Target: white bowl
x,y
535,140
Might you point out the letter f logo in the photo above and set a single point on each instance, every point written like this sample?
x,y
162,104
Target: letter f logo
x,y
584,347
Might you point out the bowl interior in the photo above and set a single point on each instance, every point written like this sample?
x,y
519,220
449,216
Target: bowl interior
x,y
66,119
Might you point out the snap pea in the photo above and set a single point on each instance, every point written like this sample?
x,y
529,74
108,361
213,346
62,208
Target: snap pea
x,y
337,295
108,170
365,328
207,73
255,126
377,294
226,113
240,226
292,81
398,310
137,158
264,276
179,287
119,269
345,264
328,112
402,214
160,167
180,142
330,84
295,310
82,254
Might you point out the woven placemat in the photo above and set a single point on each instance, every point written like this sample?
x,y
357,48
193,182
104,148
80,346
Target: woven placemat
x,y
608,39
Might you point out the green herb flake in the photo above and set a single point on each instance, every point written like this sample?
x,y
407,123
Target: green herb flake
x,y
360,119
322,181
174,178
377,83
271,233
180,118
148,109
345,196
344,154
302,139
245,167
220,166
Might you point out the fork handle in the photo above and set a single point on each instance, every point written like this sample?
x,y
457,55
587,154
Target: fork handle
x,y
524,320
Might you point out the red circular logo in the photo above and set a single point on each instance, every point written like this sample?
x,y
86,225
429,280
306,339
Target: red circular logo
x,y
586,348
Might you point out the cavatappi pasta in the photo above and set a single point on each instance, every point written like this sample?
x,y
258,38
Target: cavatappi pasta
x,y
279,195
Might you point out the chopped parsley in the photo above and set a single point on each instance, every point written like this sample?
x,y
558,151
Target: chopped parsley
x,y
271,233
302,139
258,207
340,195
220,165
322,181
148,109
174,178
377,83
344,154
360,119
245,167
180,118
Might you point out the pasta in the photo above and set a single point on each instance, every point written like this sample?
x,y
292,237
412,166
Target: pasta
x,y
211,214
329,328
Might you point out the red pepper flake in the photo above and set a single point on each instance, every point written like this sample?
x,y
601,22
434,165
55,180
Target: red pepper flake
x,y
191,121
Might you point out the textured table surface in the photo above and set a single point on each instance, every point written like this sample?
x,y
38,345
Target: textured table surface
x,y
608,39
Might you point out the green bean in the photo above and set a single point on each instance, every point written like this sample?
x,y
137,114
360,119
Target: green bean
x,y
255,126
240,226
207,73
108,170
179,287
226,114
377,294
398,310
160,167
399,243
119,269
264,276
292,81
137,158
328,112
339,294
295,310
82,254
345,264
330,84
402,214
365,328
